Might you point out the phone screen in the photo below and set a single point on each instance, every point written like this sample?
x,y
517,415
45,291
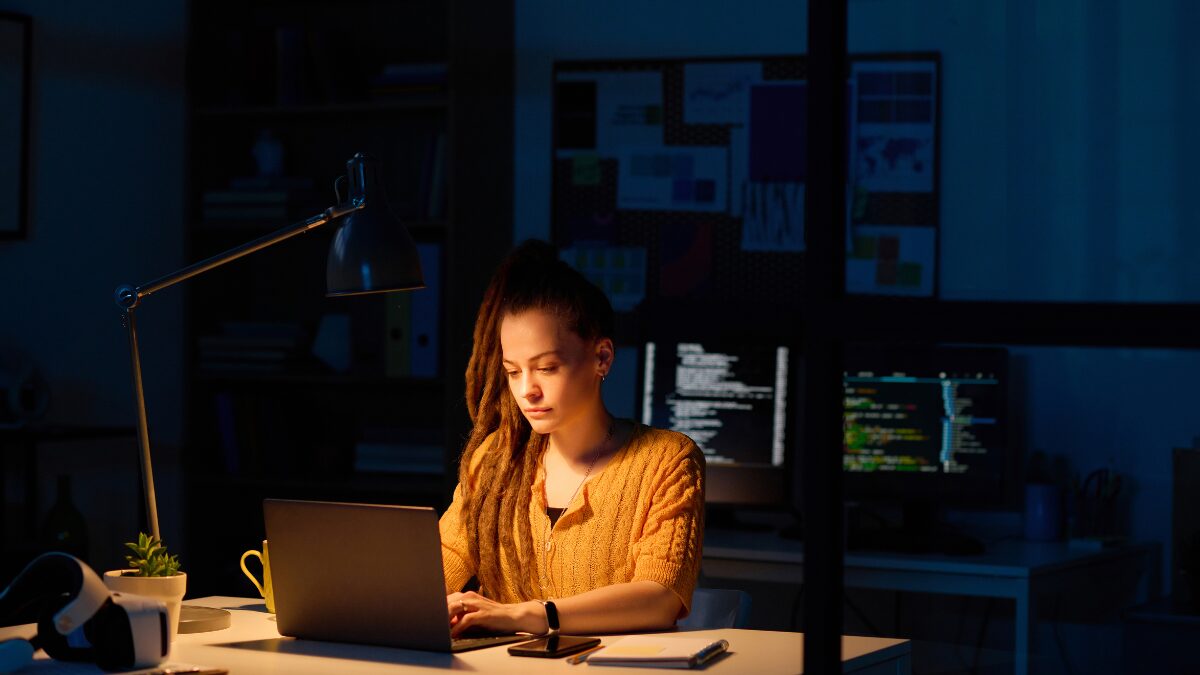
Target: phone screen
x,y
553,646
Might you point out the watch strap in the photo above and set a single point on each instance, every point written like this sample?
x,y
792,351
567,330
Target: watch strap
x,y
551,616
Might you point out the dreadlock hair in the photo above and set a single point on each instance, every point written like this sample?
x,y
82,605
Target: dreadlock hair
x,y
531,277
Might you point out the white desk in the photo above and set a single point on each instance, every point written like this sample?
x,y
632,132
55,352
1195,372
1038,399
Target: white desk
x,y
253,645
1018,570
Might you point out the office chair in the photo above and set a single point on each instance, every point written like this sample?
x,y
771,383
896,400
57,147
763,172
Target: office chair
x,y
717,608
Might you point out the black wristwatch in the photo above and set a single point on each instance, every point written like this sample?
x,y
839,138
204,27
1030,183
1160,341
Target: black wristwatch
x,y
551,616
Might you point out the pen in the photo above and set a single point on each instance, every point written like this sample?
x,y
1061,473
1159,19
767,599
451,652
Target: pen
x,y
582,656
706,654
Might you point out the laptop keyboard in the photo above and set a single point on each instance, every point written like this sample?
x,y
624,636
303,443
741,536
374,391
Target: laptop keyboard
x,y
464,643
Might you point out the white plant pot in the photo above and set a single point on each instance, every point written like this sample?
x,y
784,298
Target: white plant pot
x,y
169,590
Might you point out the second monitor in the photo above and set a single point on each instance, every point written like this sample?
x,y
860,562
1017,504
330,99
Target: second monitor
x,y
732,400
928,424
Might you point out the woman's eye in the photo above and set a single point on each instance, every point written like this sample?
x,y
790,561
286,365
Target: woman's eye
x,y
548,369
513,373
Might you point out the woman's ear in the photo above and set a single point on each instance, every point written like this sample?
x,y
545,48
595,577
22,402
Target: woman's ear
x,y
604,356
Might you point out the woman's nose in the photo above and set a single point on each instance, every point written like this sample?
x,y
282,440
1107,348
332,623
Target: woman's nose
x,y
529,389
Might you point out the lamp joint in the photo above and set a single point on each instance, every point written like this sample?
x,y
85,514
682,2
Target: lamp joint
x,y
126,297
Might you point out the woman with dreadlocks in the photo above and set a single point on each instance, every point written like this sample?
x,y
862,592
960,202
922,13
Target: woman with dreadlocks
x,y
568,518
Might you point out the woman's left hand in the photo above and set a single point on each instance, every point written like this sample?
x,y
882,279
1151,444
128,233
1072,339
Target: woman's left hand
x,y
471,610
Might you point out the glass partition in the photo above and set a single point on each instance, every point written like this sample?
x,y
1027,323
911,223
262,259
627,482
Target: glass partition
x,y
1065,150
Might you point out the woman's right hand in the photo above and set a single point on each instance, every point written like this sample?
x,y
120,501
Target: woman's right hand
x,y
472,610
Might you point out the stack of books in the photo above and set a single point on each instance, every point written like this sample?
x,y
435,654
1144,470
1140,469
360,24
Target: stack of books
x,y
406,81
251,347
399,451
255,200
242,207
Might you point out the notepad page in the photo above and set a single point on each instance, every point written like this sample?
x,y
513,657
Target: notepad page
x,y
652,648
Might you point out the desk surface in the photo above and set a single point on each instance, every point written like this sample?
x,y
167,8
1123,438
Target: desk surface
x,y
1010,558
253,645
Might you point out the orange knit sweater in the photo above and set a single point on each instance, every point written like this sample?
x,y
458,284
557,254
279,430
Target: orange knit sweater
x,y
641,518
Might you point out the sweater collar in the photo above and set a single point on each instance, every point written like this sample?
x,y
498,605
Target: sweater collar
x,y
539,480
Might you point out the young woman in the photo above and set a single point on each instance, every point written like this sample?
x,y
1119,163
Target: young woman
x,y
563,512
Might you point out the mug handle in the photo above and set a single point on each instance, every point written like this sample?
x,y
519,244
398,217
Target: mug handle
x,y
257,585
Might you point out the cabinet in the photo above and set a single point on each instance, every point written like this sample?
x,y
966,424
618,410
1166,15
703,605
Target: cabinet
x,y
290,394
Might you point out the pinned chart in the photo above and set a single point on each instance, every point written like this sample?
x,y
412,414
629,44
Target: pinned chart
x,y
773,217
703,164
619,271
891,261
673,179
719,93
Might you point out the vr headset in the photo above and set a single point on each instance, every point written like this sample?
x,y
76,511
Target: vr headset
x,y
79,619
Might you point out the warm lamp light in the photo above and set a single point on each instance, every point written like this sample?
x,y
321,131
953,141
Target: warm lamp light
x,y
372,252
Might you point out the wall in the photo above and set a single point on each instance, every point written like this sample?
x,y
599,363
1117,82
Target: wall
x,y
107,165
1067,161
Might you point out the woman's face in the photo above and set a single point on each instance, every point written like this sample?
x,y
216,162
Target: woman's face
x,y
553,374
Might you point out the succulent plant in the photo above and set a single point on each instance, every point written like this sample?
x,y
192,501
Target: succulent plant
x,y
150,558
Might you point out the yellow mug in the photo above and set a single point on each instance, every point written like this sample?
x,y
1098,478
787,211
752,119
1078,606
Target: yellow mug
x,y
264,589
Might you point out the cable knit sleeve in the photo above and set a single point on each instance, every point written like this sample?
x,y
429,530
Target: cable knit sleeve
x,y
668,550
456,558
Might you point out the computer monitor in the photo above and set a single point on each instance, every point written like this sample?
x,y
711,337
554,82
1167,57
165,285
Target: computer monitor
x,y
928,424
732,399
926,428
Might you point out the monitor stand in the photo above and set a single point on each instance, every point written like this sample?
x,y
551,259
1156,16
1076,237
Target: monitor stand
x,y
921,531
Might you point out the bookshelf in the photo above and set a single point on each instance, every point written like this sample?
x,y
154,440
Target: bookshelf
x,y
290,394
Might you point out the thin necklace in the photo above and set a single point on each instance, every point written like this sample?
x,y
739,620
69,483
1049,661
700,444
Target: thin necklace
x,y
595,456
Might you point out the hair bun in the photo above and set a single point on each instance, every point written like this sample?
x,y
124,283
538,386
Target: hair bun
x,y
532,264
534,252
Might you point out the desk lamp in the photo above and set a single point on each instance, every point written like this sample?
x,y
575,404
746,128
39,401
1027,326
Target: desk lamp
x,y
372,252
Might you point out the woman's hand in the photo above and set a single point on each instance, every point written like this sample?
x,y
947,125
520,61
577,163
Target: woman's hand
x,y
471,610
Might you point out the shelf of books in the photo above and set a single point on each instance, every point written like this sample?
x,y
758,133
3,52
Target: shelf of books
x,y
292,394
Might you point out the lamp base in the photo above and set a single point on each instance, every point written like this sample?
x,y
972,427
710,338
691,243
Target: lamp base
x,y
194,619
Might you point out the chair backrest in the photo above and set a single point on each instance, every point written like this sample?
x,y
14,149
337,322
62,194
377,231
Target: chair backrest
x,y
718,608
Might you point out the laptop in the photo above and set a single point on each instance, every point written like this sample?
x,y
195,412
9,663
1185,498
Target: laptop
x,y
362,573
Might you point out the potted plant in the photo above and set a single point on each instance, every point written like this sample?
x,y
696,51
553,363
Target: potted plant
x,y
152,573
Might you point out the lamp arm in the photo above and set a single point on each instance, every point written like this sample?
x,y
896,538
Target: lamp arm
x,y
128,297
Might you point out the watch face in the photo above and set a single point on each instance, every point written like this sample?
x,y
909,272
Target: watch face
x,y
551,615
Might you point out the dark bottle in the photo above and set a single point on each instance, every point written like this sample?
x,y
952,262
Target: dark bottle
x,y
65,529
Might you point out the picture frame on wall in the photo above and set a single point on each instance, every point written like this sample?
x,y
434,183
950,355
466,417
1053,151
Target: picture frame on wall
x,y
15,56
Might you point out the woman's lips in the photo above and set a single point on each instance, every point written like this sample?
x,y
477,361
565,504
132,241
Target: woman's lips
x,y
536,412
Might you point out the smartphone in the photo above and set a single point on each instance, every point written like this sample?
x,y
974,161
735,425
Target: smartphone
x,y
554,646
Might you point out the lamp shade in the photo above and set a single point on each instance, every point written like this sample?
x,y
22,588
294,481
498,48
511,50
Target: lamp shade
x,y
372,251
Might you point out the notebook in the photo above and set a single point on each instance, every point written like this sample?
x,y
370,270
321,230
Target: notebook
x,y
658,651
362,573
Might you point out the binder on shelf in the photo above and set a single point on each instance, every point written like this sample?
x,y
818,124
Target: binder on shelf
x,y
247,73
321,49
425,336
433,179
397,334
292,78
